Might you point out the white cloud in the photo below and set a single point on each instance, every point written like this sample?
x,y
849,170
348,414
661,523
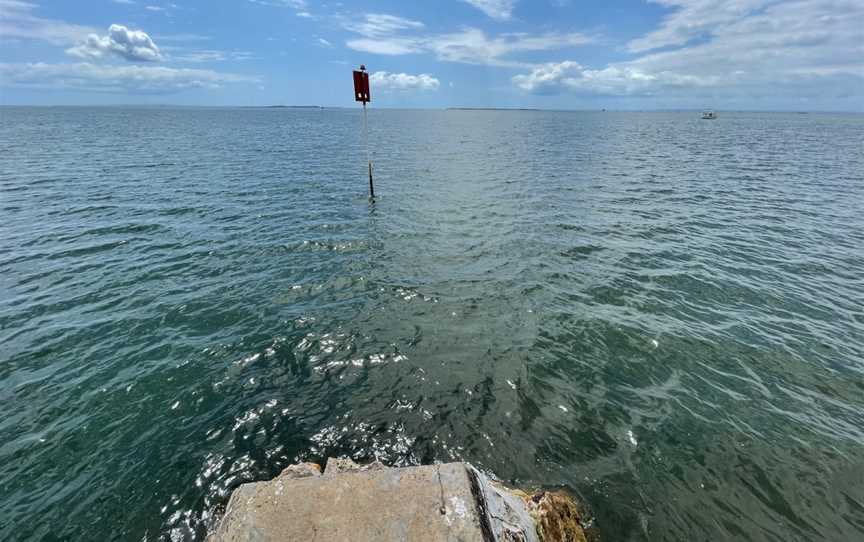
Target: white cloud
x,y
554,78
403,81
324,43
18,21
133,45
389,35
692,19
500,10
809,49
204,55
549,78
390,46
377,25
132,79
300,6
473,46
154,8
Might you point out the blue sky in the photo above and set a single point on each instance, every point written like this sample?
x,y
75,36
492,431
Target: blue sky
x,y
569,54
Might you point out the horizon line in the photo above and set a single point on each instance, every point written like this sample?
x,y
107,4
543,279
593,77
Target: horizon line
x,y
441,108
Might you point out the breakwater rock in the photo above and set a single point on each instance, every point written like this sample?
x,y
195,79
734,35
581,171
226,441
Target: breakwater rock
x,y
374,503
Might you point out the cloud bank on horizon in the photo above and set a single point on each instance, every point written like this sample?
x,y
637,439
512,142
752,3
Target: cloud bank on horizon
x,y
749,54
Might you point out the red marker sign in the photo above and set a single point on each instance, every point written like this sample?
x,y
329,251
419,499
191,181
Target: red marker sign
x,y
361,86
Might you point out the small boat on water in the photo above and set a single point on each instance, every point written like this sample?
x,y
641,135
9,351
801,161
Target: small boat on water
x,y
709,115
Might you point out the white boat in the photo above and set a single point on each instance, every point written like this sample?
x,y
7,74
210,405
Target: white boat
x,y
709,115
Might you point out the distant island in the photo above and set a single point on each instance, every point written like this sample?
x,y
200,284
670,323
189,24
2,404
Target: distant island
x,y
491,109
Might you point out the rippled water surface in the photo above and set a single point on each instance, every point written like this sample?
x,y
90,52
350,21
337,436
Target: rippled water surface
x,y
662,313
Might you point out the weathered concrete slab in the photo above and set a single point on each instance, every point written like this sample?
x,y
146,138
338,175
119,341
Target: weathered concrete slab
x,y
451,502
431,503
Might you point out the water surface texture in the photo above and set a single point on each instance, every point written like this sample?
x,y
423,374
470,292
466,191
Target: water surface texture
x,y
662,313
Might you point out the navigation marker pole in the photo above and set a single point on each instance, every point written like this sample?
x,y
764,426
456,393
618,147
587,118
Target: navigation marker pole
x,y
361,94
368,156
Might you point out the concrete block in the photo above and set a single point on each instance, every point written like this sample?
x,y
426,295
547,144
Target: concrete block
x,y
451,502
429,503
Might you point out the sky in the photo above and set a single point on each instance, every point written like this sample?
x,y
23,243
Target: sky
x,y
799,55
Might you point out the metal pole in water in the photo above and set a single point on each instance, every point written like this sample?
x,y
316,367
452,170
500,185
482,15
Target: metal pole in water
x,y
368,156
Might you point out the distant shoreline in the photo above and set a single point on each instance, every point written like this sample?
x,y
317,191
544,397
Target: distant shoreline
x,y
492,109
284,106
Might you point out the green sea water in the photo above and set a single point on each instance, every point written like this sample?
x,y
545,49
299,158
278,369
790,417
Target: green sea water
x,y
661,313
